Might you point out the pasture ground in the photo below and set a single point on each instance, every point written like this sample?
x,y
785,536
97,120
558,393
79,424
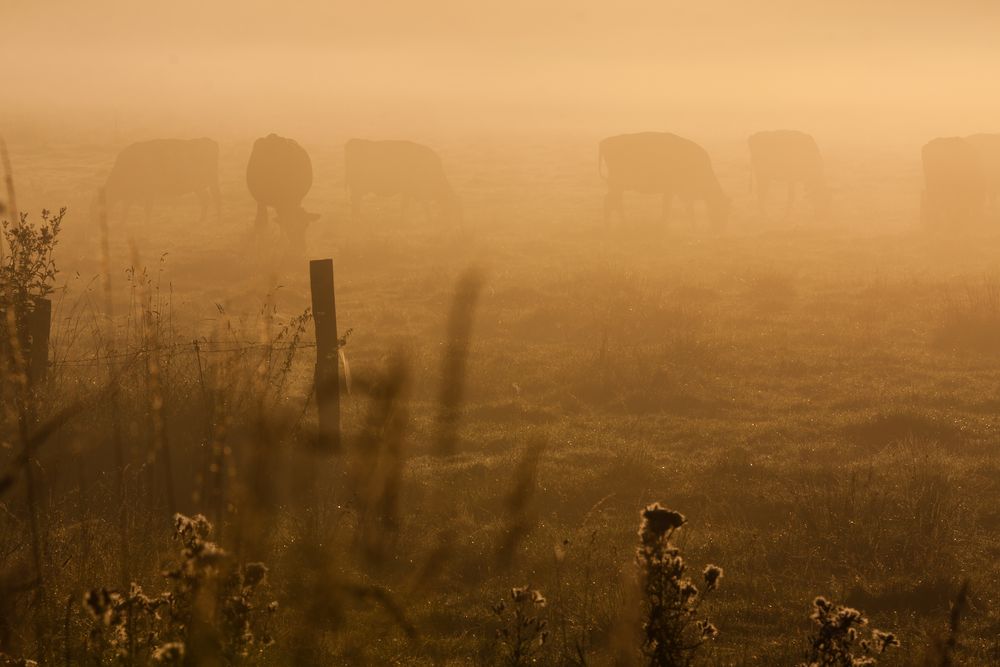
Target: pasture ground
x,y
822,400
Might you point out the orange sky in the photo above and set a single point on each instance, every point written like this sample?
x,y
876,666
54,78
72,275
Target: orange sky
x,y
588,62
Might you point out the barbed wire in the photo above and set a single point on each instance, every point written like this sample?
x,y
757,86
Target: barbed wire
x,y
174,349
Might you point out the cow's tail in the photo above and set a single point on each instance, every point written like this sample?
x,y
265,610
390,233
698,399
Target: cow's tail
x,y
602,163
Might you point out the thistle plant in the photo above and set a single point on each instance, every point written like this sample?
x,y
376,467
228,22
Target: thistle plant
x,y
213,596
838,643
673,630
210,609
523,631
122,625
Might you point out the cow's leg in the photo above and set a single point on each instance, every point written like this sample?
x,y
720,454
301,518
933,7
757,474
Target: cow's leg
x,y
404,208
213,190
668,205
260,222
791,199
203,199
763,187
613,202
356,206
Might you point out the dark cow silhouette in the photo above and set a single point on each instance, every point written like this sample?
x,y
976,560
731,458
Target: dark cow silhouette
x,y
389,168
164,168
791,157
279,176
660,163
988,147
954,182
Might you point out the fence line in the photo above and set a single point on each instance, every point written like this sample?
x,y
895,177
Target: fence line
x,y
326,381
174,349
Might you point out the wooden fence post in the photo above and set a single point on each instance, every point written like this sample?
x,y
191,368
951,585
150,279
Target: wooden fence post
x,y
39,325
327,377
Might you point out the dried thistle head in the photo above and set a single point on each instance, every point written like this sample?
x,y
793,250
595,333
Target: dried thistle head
x,y
102,605
187,529
837,640
523,630
254,574
659,522
707,629
712,574
883,640
171,653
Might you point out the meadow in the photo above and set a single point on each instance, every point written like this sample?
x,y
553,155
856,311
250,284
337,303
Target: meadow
x,y
819,399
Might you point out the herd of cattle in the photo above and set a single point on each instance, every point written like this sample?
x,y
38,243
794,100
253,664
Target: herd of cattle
x,y
962,175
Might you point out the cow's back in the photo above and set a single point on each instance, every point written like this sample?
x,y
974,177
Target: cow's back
x,y
279,172
952,164
394,167
655,162
163,168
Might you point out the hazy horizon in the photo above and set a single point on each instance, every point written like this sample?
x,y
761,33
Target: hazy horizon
x,y
846,69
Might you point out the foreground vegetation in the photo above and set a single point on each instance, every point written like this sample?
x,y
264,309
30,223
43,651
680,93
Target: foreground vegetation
x,y
827,426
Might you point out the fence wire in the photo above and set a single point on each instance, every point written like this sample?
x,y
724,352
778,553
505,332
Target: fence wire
x,y
176,349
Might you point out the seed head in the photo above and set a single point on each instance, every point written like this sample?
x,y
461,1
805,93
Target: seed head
x,y
883,640
712,573
171,653
658,521
254,573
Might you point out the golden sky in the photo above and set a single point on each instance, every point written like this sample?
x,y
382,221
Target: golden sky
x,y
515,59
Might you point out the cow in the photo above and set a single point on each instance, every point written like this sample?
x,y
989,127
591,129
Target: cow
x,y
660,163
954,182
405,168
791,157
279,176
988,147
163,168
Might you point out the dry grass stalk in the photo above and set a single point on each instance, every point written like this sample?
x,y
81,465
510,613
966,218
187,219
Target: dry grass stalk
x,y
453,364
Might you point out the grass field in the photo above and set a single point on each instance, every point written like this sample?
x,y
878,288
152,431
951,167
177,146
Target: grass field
x,y
821,400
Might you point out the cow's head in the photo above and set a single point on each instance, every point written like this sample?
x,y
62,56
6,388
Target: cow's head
x,y
293,223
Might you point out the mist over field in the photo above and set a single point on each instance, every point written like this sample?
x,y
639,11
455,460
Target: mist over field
x,y
451,67
660,333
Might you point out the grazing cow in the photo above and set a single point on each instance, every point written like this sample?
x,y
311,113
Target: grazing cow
x,y
988,147
954,182
163,168
388,168
664,164
791,157
279,176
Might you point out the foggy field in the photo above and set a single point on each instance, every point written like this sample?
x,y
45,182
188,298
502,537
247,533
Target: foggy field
x,y
820,399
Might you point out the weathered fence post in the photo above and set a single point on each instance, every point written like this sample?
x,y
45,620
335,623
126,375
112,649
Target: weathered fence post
x,y
327,378
39,324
